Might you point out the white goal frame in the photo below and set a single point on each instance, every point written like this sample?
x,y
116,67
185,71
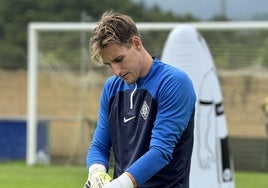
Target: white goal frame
x,y
32,55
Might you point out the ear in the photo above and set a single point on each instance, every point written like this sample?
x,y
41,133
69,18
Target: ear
x,y
136,42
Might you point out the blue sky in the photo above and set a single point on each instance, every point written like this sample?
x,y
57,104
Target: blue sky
x,y
206,9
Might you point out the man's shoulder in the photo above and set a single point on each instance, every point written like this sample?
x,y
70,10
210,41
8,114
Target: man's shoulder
x,y
169,69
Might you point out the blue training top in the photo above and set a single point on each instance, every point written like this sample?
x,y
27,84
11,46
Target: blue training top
x,y
149,125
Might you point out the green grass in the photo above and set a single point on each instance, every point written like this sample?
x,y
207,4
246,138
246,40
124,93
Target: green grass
x,y
17,174
251,179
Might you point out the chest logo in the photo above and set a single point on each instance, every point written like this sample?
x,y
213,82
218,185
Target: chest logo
x,y
145,110
128,119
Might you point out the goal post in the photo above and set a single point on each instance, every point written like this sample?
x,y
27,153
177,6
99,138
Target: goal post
x,y
33,53
33,29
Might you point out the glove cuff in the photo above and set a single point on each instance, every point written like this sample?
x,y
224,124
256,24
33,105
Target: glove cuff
x,y
97,167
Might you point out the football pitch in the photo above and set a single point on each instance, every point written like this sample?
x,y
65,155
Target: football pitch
x,y
17,174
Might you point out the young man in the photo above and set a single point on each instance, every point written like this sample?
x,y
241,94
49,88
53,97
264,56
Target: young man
x,y
146,113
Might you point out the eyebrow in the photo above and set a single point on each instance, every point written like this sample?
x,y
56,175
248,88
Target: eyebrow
x,y
115,60
105,63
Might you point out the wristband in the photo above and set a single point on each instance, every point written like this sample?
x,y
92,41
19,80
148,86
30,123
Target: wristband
x,y
125,181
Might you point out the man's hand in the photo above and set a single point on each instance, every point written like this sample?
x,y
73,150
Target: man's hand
x,y
97,179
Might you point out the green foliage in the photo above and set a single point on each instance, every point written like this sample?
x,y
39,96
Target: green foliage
x,y
219,17
16,14
238,49
262,58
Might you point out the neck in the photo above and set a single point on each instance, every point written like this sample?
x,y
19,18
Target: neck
x,y
148,61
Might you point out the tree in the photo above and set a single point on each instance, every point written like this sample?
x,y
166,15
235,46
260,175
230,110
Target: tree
x,y
16,14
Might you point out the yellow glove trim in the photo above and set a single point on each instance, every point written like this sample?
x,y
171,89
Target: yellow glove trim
x,y
98,179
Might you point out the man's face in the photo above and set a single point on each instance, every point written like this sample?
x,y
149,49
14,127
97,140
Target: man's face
x,y
125,62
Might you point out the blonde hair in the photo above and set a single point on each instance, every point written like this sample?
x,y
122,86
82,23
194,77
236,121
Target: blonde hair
x,y
112,28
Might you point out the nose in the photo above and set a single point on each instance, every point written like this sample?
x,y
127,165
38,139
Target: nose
x,y
116,69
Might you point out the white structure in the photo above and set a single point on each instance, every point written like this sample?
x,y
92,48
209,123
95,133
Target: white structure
x,y
211,162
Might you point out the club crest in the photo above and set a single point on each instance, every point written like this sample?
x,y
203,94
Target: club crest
x,y
145,110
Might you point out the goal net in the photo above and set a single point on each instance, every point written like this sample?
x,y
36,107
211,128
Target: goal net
x,y
64,86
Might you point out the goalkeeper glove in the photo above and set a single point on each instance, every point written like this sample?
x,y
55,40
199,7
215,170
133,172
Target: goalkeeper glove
x,y
97,179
